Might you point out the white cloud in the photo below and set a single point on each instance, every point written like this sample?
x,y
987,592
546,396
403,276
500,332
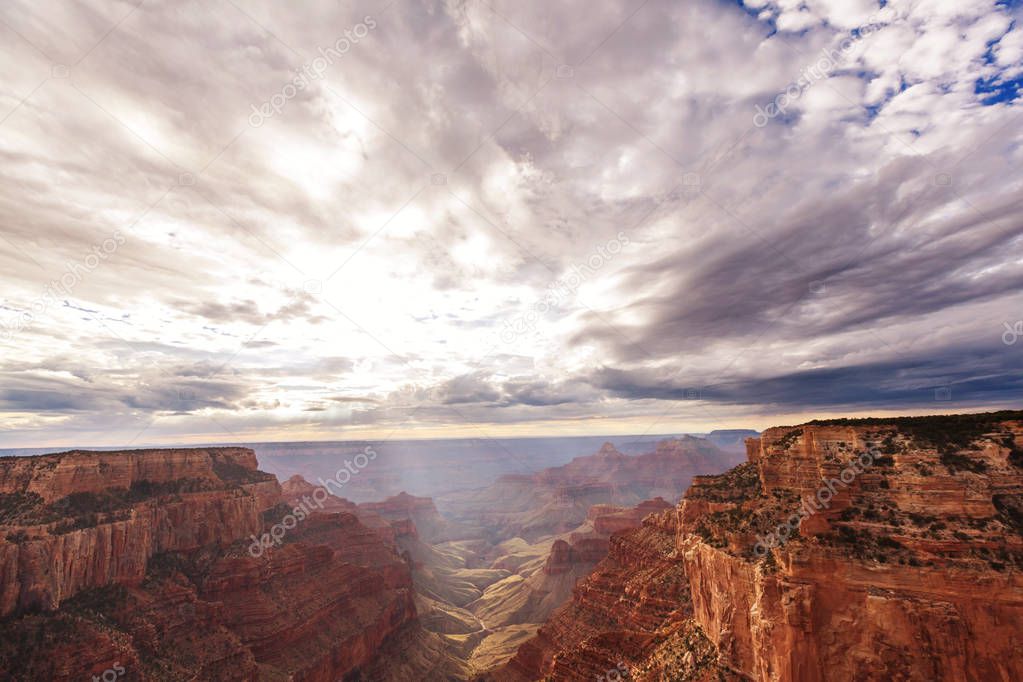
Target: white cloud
x,y
454,173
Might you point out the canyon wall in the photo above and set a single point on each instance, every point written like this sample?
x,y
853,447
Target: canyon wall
x,y
911,570
96,539
874,549
146,560
632,616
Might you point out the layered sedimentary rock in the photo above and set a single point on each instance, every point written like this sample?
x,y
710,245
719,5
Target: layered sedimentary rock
x,y
539,586
321,605
58,475
842,550
608,519
297,491
904,561
62,529
564,556
631,615
162,575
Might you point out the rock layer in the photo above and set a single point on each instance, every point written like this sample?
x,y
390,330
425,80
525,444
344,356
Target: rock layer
x,y
631,615
164,580
911,571
909,567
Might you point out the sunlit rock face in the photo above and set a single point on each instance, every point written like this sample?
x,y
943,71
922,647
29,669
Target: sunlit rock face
x,y
911,570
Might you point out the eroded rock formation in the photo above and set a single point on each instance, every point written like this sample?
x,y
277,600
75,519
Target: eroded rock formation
x,y
146,560
908,567
911,570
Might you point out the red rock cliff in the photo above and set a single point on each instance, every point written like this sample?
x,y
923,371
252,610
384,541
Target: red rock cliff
x,y
73,533
911,570
631,614
908,567
158,573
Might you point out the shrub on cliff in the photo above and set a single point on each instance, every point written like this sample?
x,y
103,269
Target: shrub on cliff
x,y
20,508
232,472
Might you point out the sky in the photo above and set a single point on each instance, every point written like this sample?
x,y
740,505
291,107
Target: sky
x,y
234,221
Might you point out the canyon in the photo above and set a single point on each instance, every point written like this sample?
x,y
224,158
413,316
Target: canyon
x,y
904,564
869,549
194,564
143,560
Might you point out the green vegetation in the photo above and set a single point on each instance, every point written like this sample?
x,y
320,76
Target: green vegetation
x,y
88,509
738,483
889,446
956,462
17,509
96,601
234,473
950,435
1015,452
276,513
921,519
789,438
863,544
1010,510
166,565
923,469
21,640
945,433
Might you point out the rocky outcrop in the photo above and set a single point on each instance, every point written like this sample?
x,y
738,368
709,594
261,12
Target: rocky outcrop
x,y
732,440
588,548
321,605
56,476
164,575
585,550
608,519
62,530
842,550
903,558
299,494
297,491
631,615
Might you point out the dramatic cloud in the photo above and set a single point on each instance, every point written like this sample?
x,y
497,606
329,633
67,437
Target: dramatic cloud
x,y
247,220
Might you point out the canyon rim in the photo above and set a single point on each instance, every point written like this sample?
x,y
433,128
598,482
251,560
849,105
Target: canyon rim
x,y
511,341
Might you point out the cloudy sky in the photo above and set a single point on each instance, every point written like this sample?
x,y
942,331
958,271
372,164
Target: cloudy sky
x,y
237,220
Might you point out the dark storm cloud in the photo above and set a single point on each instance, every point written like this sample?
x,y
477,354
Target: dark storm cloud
x,y
150,390
966,375
852,258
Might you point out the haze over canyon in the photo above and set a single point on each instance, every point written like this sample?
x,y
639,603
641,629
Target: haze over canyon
x,y
511,341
